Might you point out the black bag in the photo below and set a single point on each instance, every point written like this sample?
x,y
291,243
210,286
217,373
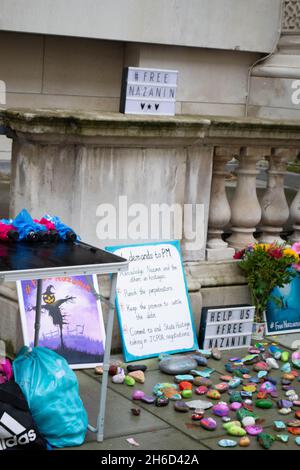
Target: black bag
x,y
17,428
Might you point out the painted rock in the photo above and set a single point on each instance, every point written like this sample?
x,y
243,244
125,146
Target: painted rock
x,y
213,394
129,381
290,392
206,372
243,413
286,387
248,406
267,387
135,367
248,402
216,354
268,378
181,406
284,404
285,411
118,379
185,385
261,366
226,378
254,380
295,373
160,388
297,414
250,359
274,394
202,381
138,394
136,411
246,376
113,370
186,393
282,437
249,388
294,431
285,382
244,441
138,376
294,423
174,365
262,373
248,421
259,346
221,409
222,387
148,399
235,430
201,361
285,355
208,423
272,363
265,404
253,430
235,406
235,396
297,441
227,443
161,401
205,352
279,425
262,395
184,378
201,404
288,376
197,416
296,403
265,440
234,383
226,419
293,398
296,359
286,368
98,370
253,350
202,390
171,393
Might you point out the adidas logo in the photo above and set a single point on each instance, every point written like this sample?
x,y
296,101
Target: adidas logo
x,y
12,433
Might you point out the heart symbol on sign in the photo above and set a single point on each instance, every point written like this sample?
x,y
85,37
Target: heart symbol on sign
x,y
143,105
156,106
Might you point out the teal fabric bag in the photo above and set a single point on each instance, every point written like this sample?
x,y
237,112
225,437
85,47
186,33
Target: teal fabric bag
x,y
51,389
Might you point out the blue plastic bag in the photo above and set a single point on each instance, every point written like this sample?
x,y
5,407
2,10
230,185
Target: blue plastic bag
x,y
51,389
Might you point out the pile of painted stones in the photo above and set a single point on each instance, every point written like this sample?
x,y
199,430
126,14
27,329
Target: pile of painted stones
x,y
249,385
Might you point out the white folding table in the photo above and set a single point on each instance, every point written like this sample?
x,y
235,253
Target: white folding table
x,y
25,261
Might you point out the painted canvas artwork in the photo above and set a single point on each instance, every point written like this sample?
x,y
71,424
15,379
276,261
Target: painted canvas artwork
x,y
71,318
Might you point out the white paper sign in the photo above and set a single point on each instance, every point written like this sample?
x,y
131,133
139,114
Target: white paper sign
x,y
227,328
149,91
152,302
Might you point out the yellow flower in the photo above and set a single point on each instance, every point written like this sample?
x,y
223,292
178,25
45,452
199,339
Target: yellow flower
x,y
263,246
290,252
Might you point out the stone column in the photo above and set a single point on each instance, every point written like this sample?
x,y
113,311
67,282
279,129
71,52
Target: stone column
x,y
245,207
295,216
219,210
274,206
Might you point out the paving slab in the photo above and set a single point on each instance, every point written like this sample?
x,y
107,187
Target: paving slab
x,y
291,341
164,439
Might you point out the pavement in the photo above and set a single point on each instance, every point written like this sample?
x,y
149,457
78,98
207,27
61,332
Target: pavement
x,y
164,428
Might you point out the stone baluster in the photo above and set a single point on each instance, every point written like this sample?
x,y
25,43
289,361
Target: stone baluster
x,y
245,207
219,208
274,206
295,216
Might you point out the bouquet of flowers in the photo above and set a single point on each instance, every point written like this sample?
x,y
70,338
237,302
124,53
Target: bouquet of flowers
x,y
267,266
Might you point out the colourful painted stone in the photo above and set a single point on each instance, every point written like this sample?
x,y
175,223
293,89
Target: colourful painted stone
x,y
159,388
197,416
253,350
220,409
222,387
254,380
205,352
248,421
249,388
174,365
227,443
294,423
235,406
262,395
181,406
253,430
297,440
295,373
246,376
138,394
248,406
244,441
171,393
216,354
267,387
183,378
113,370
226,419
136,411
201,361
246,394
250,359
209,424
235,397
98,370
226,378
148,399
202,381
186,393
235,430
202,390
285,355
261,366
213,394
161,401
268,378
231,423
285,411
243,413
265,404
118,378
279,425
199,404
286,368
185,385
284,404
272,363
290,392
288,376
296,403
138,376
265,440
282,437
294,431
296,359
206,373
297,414
234,383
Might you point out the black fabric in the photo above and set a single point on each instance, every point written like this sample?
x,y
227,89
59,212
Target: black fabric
x,y
17,428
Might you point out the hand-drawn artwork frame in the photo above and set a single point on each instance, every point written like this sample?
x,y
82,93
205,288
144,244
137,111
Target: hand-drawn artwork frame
x,y
283,316
83,347
128,356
